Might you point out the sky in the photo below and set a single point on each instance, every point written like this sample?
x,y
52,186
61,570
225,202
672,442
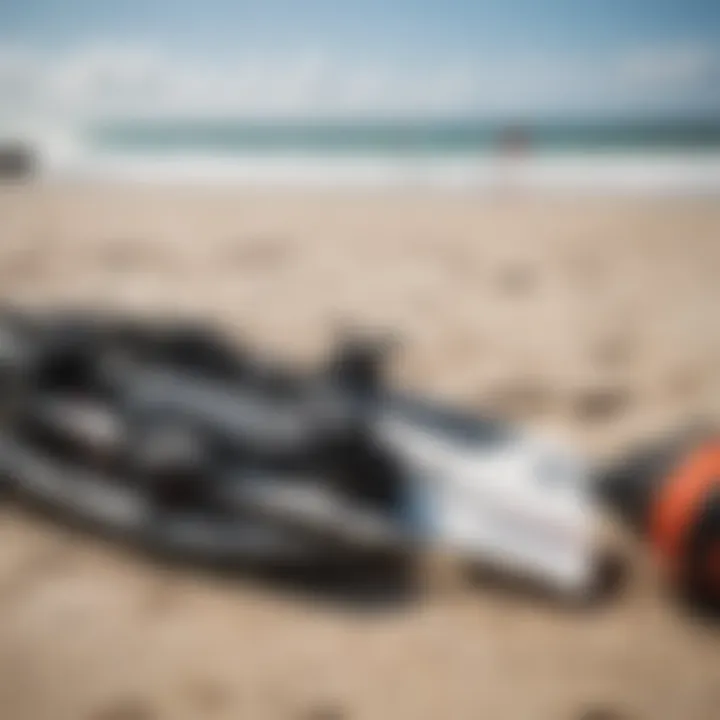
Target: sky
x,y
333,57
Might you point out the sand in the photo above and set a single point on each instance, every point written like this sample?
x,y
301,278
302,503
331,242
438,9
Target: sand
x,y
595,318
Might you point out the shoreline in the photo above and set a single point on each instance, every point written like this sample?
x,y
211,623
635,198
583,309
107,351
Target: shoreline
x,y
572,174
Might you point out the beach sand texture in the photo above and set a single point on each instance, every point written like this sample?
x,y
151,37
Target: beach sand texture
x,y
593,317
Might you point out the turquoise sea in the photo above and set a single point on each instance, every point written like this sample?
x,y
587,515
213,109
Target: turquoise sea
x,y
409,137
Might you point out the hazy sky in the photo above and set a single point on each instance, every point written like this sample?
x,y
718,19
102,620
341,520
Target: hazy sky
x,y
320,57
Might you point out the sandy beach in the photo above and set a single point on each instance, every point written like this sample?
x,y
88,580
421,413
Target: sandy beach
x,y
594,318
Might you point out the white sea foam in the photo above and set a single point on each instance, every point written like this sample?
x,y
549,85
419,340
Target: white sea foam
x,y
617,172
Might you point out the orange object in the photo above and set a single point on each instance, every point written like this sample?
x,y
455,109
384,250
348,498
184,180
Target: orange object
x,y
679,505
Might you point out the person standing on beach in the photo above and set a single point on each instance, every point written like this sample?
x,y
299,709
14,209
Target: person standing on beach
x,y
512,151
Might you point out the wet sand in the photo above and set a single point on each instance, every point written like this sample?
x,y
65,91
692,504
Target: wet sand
x,y
593,317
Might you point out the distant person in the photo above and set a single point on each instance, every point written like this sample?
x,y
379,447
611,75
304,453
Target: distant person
x,y
514,141
513,147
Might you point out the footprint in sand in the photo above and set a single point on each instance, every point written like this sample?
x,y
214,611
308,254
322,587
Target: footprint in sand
x,y
125,709
600,404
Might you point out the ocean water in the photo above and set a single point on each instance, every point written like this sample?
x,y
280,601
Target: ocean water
x,y
672,156
450,137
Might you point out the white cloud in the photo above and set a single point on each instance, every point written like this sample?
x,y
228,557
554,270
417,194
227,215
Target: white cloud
x,y
105,79
21,76
112,78
672,68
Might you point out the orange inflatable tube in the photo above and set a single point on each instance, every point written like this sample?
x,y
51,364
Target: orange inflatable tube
x,y
680,502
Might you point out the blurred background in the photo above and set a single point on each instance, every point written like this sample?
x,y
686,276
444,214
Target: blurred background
x,y
619,97
525,192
